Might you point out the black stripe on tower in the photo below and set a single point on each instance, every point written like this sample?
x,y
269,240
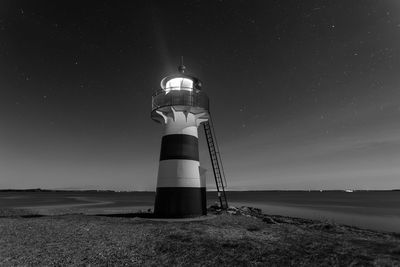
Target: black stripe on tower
x,y
180,202
179,146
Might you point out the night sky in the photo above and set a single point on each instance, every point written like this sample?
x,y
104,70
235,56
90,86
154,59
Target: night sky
x,y
303,94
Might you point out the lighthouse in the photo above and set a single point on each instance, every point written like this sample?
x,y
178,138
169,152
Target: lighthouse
x,y
181,107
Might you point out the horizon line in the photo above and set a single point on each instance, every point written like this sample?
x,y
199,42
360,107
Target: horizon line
x,y
212,190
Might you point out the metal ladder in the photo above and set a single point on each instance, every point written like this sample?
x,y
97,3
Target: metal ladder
x,y
216,162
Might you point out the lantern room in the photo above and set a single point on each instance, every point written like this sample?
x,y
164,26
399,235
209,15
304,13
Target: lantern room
x,y
181,91
180,82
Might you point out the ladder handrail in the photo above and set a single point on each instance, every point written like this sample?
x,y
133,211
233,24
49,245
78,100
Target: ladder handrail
x,y
216,162
217,149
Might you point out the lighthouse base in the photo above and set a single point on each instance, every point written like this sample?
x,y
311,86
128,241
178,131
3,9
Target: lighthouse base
x,y
180,202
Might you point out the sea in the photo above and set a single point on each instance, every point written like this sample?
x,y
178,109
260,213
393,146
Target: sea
x,y
376,210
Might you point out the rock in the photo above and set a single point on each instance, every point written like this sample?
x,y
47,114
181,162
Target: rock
x,y
214,207
255,210
232,209
244,209
249,211
322,226
269,220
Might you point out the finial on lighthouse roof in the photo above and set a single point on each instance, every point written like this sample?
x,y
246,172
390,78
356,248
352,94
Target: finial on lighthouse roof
x,y
182,67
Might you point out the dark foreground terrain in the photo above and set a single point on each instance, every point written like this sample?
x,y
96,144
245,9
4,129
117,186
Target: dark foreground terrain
x,y
241,237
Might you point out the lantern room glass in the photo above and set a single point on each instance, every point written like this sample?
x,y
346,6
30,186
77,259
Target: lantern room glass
x,y
179,84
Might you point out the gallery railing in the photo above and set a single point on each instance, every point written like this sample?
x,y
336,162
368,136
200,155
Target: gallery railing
x,y
193,98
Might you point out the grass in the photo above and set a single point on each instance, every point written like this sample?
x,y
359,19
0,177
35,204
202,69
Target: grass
x,y
224,240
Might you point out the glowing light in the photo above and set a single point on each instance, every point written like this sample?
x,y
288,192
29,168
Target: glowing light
x,y
179,84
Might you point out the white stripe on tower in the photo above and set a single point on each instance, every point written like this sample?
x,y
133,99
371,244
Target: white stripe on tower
x,y
179,173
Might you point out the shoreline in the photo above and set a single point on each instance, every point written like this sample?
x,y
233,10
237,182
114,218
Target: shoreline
x,y
374,210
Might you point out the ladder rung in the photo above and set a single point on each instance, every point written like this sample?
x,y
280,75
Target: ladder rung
x,y
215,161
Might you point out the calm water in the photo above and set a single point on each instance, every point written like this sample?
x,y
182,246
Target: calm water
x,y
375,210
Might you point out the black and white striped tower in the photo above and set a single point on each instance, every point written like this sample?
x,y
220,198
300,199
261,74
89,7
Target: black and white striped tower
x,y
181,107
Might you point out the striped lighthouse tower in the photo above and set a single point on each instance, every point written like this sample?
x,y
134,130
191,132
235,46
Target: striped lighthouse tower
x,y
181,107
